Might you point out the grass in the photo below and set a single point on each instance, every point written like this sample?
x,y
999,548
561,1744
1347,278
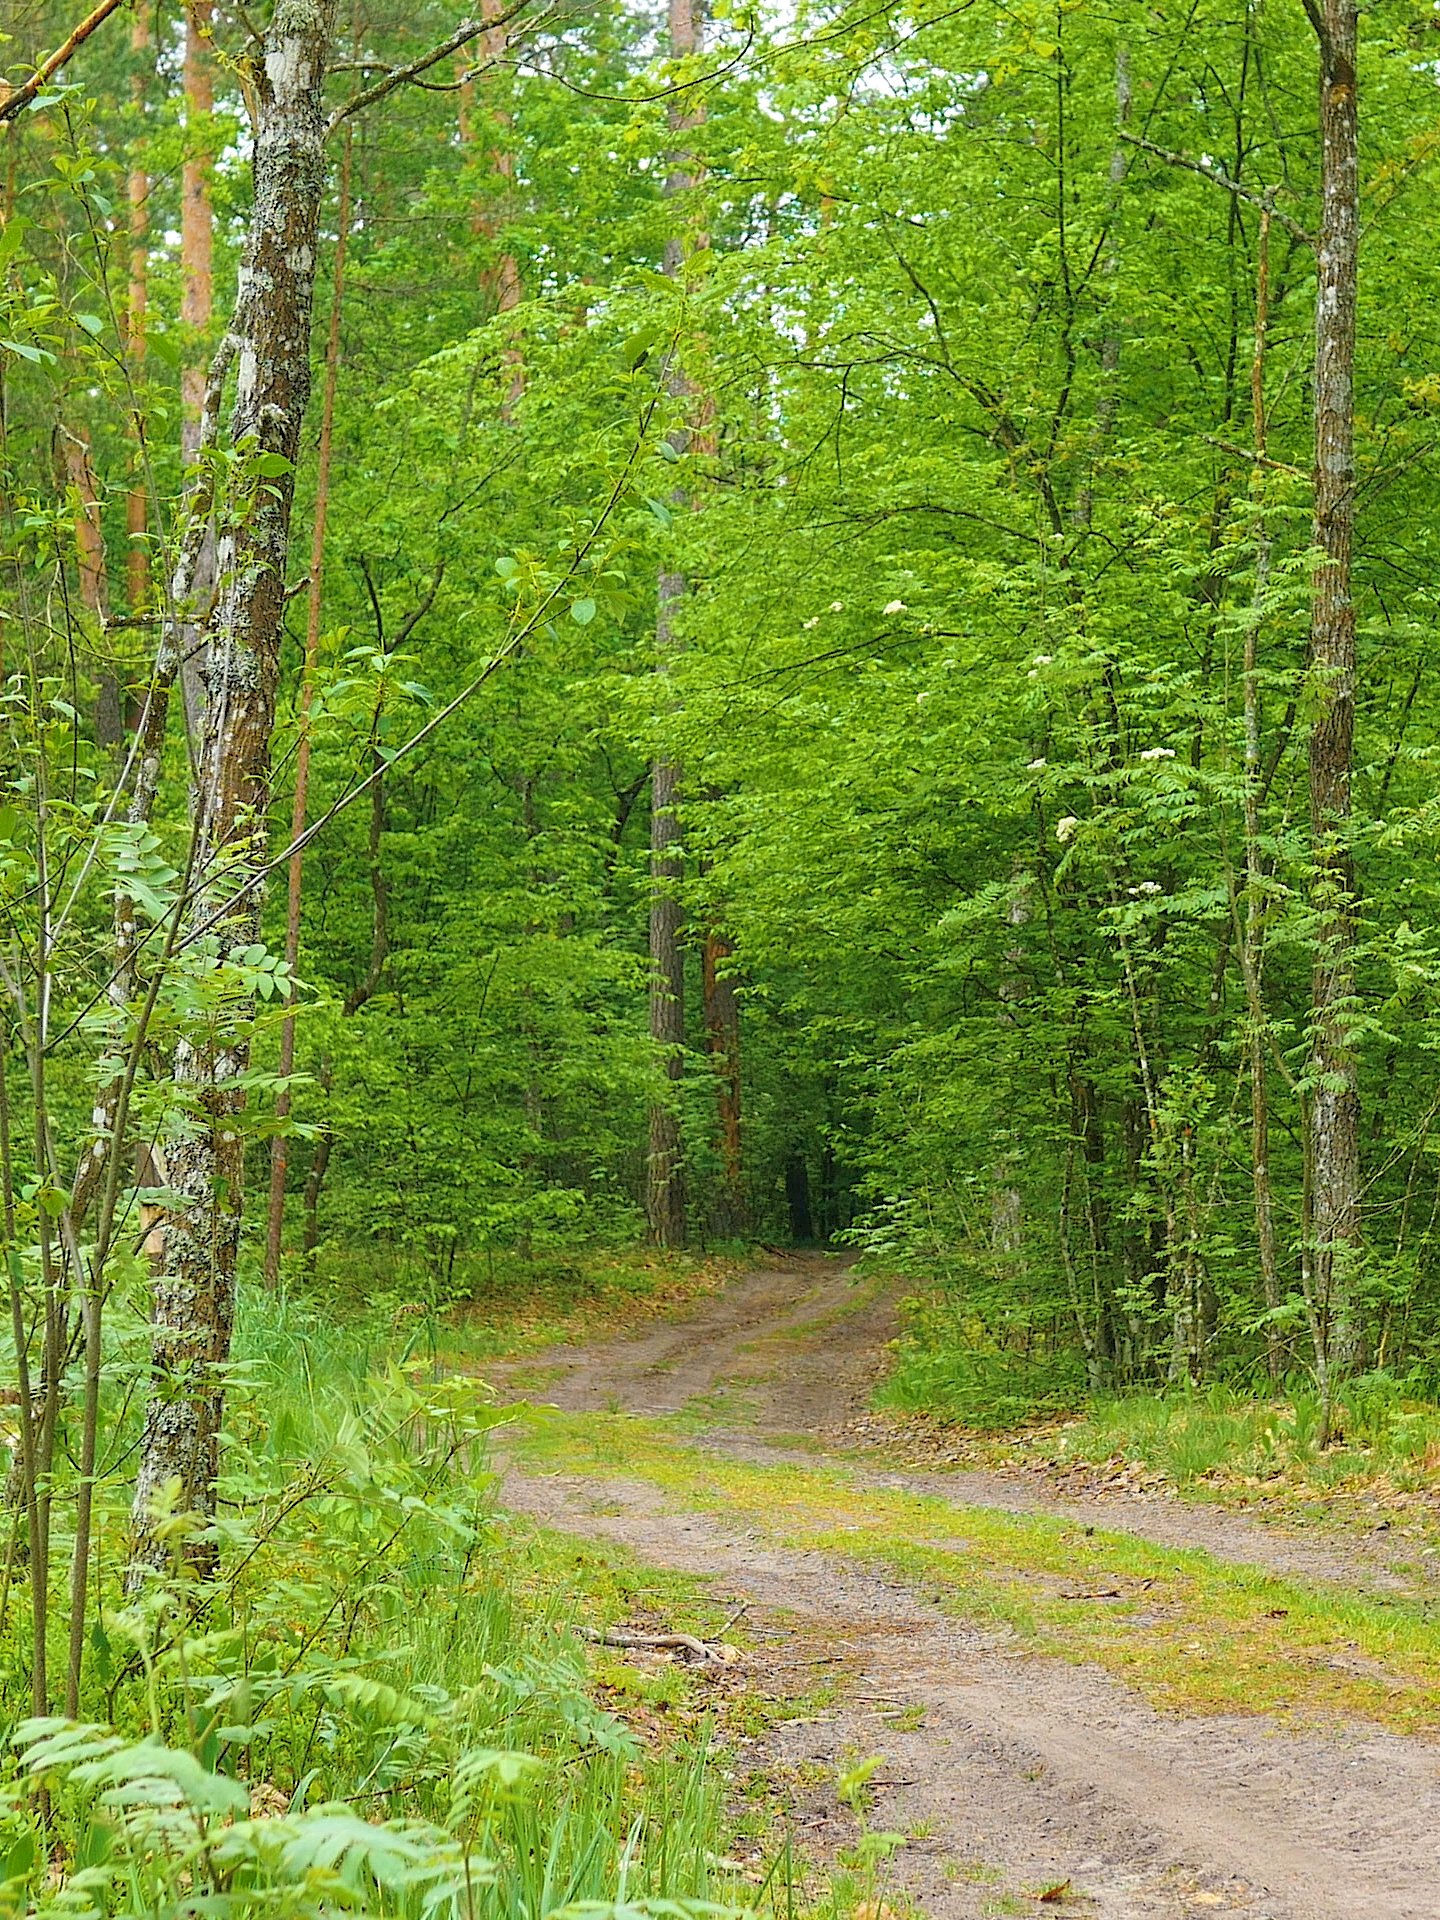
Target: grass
x,y
1222,1435
1189,1632
1218,1444
379,1636
516,1307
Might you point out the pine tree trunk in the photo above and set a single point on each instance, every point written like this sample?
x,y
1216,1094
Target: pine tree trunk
x,y
137,505
94,579
196,307
194,1295
1335,1098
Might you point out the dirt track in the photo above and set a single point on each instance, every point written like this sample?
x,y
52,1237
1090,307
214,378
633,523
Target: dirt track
x,y
1026,1771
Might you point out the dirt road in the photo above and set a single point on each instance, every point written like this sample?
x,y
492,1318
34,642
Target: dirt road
x,y
1010,1773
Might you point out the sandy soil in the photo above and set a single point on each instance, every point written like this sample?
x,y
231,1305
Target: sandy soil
x,y
1025,1772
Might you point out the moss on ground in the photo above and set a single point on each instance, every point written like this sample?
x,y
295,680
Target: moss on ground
x,y
1189,1632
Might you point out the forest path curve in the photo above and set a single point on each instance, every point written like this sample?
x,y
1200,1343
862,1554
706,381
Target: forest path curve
x,y
1025,1768
790,1353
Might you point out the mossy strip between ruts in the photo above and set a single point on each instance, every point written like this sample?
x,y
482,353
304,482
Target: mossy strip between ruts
x,y
1190,1632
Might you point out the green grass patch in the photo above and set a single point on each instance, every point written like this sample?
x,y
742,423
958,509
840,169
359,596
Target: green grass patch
x,y
498,1306
986,1391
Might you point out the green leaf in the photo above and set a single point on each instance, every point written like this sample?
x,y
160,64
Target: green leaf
x,y
582,612
91,322
636,350
20,1861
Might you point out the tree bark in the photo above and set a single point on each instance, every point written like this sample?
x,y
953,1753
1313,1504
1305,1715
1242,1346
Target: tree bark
x,y
89,538
1253,934
506,286
664,1184
501,280
137,503
94,579
731,1216
1335,1095
194,1295
197,225
665,1174
280,1147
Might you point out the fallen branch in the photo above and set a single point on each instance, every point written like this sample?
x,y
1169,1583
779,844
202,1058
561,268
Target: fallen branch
x,y
702,1653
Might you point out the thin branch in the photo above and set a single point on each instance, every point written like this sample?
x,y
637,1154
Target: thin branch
x,y
467,31
47,69
1257,459
634,99
1218,177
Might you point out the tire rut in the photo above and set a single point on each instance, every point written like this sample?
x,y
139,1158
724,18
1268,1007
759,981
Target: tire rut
x,y
1026,1771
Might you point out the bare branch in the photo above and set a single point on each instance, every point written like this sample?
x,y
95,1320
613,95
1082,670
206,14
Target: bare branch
x,y
1258,459
1218,177
467,31
47,69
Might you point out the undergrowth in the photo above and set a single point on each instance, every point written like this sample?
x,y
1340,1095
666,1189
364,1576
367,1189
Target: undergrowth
x,y
1383,1430
491,1305
374,1703
995,1404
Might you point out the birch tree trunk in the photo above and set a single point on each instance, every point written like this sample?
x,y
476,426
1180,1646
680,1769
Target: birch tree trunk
x,y
194,1295
280,1146
1335,1099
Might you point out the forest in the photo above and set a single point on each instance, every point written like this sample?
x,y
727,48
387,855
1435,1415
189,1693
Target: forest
x,y
635,642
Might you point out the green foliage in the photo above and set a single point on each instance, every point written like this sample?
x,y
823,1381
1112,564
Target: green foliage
x,y
376,1706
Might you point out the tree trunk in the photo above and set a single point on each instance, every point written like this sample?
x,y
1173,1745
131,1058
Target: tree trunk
x,y
664,1174
194,1296
1253,935
280,1146
89,538
797,1199
196,307
137,504
1335,1095
730,1218
505,283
